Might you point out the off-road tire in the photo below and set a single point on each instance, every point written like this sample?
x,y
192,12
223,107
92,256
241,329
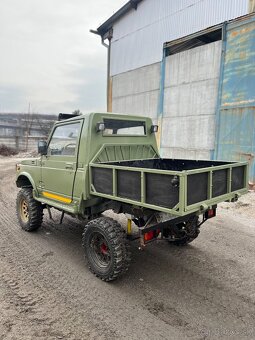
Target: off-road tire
x,y
115,242
32,218
191,236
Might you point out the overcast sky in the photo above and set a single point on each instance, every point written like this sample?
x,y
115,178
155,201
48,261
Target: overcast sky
x,y
49,58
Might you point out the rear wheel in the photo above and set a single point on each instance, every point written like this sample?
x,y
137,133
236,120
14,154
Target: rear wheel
x,y
29,211
106,248
188,232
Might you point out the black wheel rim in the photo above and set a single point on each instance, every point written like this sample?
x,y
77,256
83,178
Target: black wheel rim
x,y
99,250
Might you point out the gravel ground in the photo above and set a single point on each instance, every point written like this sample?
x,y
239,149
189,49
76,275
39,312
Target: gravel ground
x,y
203,291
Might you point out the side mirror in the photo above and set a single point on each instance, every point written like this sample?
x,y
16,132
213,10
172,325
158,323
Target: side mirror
x,y
154,128
42,147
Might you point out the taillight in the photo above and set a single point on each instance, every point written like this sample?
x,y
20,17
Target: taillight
x,y
150,235
210,213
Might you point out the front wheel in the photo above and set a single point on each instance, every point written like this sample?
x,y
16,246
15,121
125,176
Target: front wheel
x,y
29,211
106,248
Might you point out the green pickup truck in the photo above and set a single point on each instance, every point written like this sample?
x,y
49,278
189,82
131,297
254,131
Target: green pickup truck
x,y
100,161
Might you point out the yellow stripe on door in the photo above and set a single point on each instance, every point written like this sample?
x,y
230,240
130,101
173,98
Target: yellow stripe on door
x,y
57,197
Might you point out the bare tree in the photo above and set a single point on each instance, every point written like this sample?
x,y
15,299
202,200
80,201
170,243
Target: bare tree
x,y
34,121
44,124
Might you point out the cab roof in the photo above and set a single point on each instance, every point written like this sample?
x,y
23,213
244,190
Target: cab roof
x,y
103,114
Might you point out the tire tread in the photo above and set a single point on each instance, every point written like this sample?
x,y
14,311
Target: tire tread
x,y
35,210
119,245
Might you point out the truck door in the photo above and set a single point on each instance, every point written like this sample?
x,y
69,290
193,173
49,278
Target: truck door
x,y
58,167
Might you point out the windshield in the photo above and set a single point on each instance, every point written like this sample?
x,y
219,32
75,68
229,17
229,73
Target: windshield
x,y
124,127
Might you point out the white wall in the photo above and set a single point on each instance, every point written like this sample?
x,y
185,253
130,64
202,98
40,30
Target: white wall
x,y
190,98
137,91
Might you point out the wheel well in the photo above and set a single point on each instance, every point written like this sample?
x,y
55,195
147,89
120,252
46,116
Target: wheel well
x,y
23,182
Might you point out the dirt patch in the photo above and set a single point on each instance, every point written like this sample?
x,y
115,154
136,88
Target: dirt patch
x,y
27,154
7,151
244,206
203,291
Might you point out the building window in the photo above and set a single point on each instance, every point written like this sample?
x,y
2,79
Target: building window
x,y
192,41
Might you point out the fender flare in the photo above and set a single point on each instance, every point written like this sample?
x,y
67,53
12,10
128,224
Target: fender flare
x,y
29,177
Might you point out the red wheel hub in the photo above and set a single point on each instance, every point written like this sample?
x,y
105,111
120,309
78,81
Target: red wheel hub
x,y
104,248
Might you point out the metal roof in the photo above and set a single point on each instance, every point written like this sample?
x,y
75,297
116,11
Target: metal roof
x,y
107,25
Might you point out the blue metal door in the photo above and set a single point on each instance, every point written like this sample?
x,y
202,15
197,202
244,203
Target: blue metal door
x,y
235,139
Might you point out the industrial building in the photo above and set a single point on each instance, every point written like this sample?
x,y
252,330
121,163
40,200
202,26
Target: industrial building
x,y
190,65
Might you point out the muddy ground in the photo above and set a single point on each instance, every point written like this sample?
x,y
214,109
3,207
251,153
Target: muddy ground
x,y
203,291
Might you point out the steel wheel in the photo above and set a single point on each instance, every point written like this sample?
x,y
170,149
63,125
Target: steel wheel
x,y
99,249
24,213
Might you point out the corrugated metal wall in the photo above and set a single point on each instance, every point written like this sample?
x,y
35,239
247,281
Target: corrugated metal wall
x,y
190,99
236,123
139,36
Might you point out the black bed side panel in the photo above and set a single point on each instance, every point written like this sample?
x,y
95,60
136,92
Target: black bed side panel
x,y
220,182
129,184
102,180
160,190
238,176
197,188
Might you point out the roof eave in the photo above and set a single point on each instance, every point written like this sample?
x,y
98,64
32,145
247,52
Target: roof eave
x,y
107,25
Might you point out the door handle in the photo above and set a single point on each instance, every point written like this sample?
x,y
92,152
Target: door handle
x,y
69,166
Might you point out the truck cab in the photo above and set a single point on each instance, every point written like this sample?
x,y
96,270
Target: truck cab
x,y
60,175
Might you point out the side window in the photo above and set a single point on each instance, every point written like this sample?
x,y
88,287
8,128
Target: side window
x,y
64,140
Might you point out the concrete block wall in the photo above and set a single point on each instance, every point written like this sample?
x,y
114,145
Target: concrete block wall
x,y
190,99
137,91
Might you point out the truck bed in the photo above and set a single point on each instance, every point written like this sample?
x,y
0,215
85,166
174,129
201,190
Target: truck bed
x,y
175,186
